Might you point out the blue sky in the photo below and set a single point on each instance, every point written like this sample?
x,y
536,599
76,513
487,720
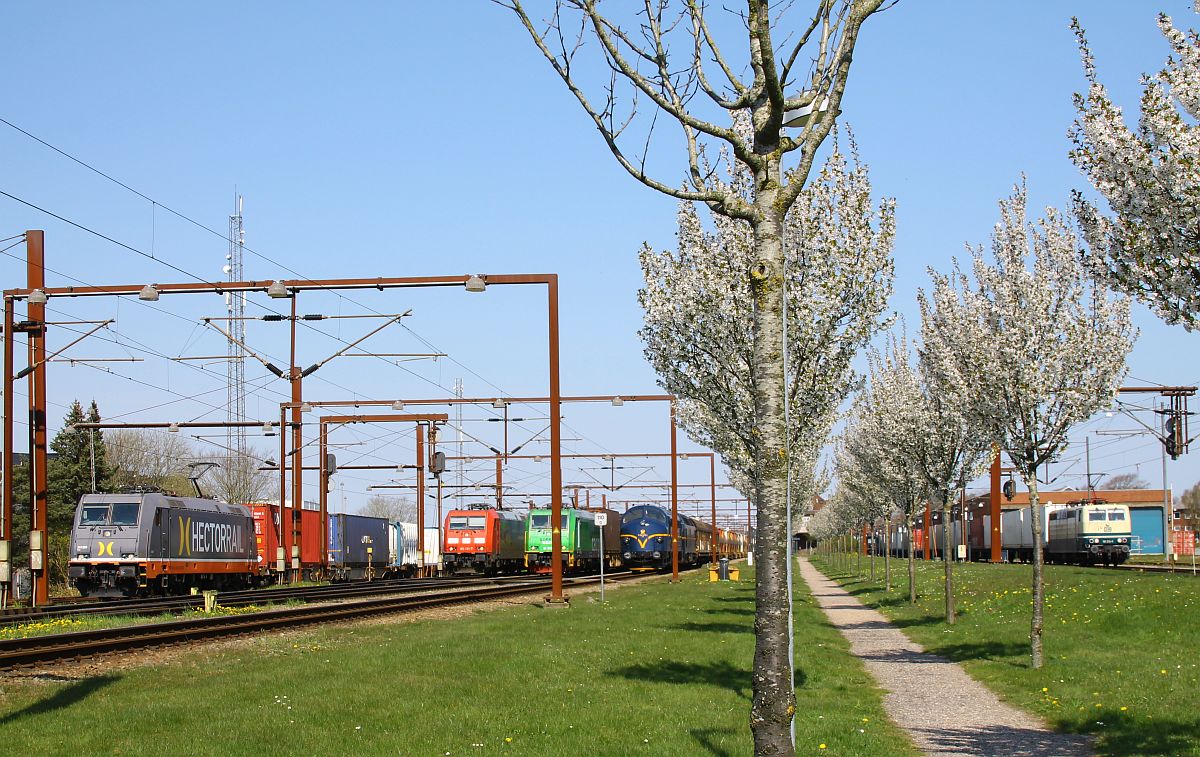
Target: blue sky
x,y
431,138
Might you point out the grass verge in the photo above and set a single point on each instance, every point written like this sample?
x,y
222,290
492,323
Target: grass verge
x,y
659,669
1120,647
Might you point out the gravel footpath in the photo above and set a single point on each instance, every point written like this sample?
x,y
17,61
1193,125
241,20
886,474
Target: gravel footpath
x,y
945,711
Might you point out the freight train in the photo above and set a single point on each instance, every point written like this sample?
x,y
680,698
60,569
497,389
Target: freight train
x,y
155,543
1083,532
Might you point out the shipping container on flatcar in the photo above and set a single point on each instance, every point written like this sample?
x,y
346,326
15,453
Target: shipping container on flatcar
x,y
358,547
128,544
403,559
484,541
433,547
266,540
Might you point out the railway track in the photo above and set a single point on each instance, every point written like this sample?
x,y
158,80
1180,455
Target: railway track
x,y
159,605
1179,569
38,650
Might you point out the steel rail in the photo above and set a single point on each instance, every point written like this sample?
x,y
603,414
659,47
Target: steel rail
x,y
37,650
241,598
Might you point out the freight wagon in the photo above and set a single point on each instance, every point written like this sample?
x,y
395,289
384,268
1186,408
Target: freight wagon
x,y
146,543
358,547
483,541
306,556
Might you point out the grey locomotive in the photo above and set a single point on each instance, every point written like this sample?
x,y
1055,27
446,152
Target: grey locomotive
x,y
154,543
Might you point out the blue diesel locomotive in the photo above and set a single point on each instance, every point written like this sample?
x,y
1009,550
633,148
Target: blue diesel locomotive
x,y
646,538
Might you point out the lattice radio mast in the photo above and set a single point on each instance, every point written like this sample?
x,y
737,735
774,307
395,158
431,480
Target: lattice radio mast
x,y
235,304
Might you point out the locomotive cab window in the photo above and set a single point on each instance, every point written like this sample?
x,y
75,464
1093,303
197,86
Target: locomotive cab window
x,y
125,514
476,521
1095,516
539,521
1116,515
93,515
458,523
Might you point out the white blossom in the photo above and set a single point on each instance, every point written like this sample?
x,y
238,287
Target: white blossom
x,y
698,310
1150,178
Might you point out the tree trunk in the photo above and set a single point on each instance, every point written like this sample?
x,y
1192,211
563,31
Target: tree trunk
x,y
912,561
857,542
948,557
1039,601
871,546
774,703
887,555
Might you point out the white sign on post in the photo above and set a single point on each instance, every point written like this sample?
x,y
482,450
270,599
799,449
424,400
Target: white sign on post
x,y
601,521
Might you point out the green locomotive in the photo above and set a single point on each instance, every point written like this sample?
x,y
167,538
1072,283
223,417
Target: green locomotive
x,y
581,540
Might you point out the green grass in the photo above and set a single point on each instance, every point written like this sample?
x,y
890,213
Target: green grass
x,y
1121,647
659,669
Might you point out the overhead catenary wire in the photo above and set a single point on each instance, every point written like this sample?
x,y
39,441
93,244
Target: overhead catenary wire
x,y
224,236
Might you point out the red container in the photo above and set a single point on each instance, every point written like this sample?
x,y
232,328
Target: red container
x,y
266,536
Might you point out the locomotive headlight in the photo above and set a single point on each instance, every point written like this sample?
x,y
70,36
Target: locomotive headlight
x,y
628,555
657,555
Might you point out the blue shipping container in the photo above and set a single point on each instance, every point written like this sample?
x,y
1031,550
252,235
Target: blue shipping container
x,y
1147,530
350,538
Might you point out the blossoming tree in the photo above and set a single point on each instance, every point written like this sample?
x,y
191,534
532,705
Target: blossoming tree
x,y
663,63
1029,349
700,337
873,461
1150,178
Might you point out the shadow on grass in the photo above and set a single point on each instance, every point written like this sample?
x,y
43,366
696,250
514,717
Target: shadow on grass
x,y
721,674
995,651
747,597
715,627
1122,734
64,697
704,737
731,611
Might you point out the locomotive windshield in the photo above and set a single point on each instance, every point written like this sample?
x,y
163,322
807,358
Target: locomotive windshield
x,y
120,514
94,515
539,521
1116,515
125,514
468,521
1095,515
